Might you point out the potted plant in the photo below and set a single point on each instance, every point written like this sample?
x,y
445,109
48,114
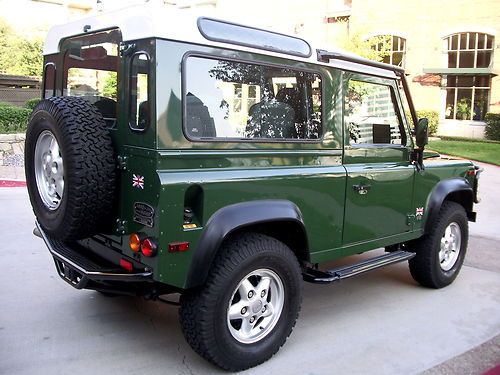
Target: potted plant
x,y
463,109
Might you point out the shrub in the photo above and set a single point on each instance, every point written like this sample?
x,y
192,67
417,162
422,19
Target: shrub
x,y
492,129
433,117
13,119
31,103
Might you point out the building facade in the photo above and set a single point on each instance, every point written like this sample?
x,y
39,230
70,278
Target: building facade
x,y
449,48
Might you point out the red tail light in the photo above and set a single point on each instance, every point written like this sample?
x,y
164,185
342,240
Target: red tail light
x,y
125,264
148,247
178,246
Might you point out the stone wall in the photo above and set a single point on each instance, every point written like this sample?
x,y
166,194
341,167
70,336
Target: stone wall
x,y
12,150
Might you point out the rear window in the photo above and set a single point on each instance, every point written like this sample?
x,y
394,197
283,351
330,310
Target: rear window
x,y
232,100
90,70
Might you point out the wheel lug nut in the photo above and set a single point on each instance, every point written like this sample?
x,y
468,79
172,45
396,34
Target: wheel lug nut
x,y
243,310
252,319
264,309
250,294
263,293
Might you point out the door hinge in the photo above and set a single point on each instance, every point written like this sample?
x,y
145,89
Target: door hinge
x,y
122,162
121,226
410,219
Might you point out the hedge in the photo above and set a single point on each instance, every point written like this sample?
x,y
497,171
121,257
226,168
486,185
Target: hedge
x,y
13,119
31,103
432,116
492,129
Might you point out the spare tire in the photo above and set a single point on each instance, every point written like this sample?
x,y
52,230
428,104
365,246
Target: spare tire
x,y
70,168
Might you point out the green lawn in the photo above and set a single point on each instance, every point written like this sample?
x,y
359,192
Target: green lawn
x,y
481,151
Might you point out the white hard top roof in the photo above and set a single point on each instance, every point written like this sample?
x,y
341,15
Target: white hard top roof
x,y
151,20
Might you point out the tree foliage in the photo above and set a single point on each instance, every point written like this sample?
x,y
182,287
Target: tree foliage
x,y
18,55
374,48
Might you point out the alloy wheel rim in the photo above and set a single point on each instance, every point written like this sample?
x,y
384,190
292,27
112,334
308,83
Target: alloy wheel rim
x,y
49,170
450,246
255,306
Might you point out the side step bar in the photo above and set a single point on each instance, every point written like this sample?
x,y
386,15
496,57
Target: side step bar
x,y
325,277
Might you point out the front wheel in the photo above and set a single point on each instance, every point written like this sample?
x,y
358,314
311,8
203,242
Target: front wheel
x,y
248,305
441,252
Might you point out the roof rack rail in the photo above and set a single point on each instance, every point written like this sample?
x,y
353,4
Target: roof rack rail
x,y
325,56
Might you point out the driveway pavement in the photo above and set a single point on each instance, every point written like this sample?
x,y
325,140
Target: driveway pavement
x,y
377,323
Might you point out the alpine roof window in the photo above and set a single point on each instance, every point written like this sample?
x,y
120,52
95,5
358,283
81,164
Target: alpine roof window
x,y
226,32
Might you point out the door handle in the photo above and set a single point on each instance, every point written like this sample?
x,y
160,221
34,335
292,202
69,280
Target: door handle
x,y
362,189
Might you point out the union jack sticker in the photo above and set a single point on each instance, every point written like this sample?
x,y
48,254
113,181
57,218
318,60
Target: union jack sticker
x,y
138,181
419,212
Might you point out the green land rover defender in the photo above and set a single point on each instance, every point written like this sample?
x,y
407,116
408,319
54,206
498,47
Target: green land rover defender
x,y
224,163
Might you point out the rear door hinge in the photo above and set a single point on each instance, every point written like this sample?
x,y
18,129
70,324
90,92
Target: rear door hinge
x,y
122,162
410,219
121,226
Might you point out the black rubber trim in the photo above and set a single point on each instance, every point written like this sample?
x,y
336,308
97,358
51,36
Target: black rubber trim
x,y
230,218
439,194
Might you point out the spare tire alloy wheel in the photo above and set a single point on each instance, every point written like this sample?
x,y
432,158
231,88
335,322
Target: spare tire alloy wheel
x,y
49,170
70,168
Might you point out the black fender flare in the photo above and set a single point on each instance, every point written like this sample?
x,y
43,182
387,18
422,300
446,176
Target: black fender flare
x,y
230,218
442,190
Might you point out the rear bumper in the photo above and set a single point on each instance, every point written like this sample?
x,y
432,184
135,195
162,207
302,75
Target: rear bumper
x,y
83,270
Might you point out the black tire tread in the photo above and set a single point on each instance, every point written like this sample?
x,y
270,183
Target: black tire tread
x,y
422,265
193,314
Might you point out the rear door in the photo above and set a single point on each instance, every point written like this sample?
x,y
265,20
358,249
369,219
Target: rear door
x,y
380,175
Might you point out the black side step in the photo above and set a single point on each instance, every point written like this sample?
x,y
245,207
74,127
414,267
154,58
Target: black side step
x,y
324,277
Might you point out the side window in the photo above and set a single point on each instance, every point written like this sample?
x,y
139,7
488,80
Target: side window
x,y
139,103
370,114
234,100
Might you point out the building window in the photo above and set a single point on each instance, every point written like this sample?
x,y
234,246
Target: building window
x,y
392,48
467,93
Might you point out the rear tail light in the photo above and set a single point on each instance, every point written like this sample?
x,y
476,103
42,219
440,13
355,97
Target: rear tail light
x,y
178,246
148,247
125,264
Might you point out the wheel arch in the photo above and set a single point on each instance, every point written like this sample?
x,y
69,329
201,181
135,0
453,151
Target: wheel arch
x,y
454,189
280,219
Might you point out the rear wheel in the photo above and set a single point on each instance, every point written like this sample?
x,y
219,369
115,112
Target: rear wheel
x,y
441,252
248,306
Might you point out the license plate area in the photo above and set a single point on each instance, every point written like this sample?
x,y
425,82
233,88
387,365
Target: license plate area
x,y
70,275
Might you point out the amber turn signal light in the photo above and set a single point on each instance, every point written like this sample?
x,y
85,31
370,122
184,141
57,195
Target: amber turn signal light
x,y
134,242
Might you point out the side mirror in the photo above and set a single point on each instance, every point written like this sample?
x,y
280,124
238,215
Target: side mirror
x,y
422,133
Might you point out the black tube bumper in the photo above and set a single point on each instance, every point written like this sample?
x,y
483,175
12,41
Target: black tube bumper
x,y
88,272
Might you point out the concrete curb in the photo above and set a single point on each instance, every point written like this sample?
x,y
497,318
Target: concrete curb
x,y
12,183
